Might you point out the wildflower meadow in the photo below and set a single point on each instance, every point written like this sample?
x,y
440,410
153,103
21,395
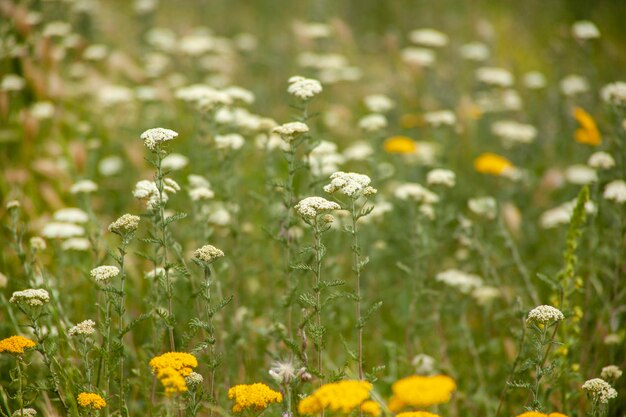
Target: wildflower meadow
x,y
312,208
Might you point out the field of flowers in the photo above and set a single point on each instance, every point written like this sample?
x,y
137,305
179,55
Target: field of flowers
x,y
316,208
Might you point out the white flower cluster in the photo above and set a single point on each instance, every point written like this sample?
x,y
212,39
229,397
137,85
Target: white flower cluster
x,y
289,131
378,103
600,390
147,190
443,177
615,191
462,281
304,88
231,141
70,215
104,273
429,37
31,297
475,51
418,57
350,184
562,214
194,380
24,412
611,373
601,160
155,136
311,207
84,186
84,328
614,93
373,122
208,253
126,224
580,174
495,76
544,314
174,162
485,207
585,29
440,118
534,80
415,192
574,84
199,188
3,280
512,132
59,230
324,159
206,98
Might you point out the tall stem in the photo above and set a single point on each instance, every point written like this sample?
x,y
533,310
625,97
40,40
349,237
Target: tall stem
x,y
356,265
122,310
318,291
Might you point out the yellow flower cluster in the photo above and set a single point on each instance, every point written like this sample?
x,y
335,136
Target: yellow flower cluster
x,y
421,391
371,408
343,397
492,164
417,414
588,132
171,368
538,414
16,344
400,144
91,400
256,397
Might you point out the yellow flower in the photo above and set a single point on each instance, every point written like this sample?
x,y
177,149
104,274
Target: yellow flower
x,y
91,400
492,164
400,144
588,132
342,396
417,414
256,397
171,368
371,407
16,344
538,414
421,391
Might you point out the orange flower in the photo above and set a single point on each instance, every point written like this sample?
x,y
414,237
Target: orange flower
x,y
588,132
400,144
492,164
16,344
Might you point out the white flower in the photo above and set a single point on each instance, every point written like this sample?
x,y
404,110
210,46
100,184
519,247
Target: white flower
x,y
415,192
127,223
290,131
112,95
95,52
70,215
475,51
544,314
208,254
418,57
84,186
440,118
460,280
601,160
37,243
373,122
196,44
104,273
24,412
494,76
174,162
311,207
359,151
194,380
614,93
201,193
580,175
429,37
157,272
42,110
350,184
31,297
424,364
77,244
3,280
147,190
12,82
485,295
239,94
443,177
231,141
512,132
156,136
584,30
84,328
324,159
485,207
282,372
534,80
110,165
59,230
573,85
304,88
615,191
562,214
378,103
600,390
611,373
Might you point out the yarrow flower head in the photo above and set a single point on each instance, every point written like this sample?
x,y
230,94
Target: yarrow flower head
x,y
310,207
208,254
155,136
171,369
611,373
84,328
342,396
290,131
91,400
400,144
24,412
538,414
492,164
30,297
615,191
194,380
128,223
417,414
255,397
599,390
304,88
373,122
421,391
614,93
350,184
543,315
104,273
84,186
601,160
443,177
16,344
